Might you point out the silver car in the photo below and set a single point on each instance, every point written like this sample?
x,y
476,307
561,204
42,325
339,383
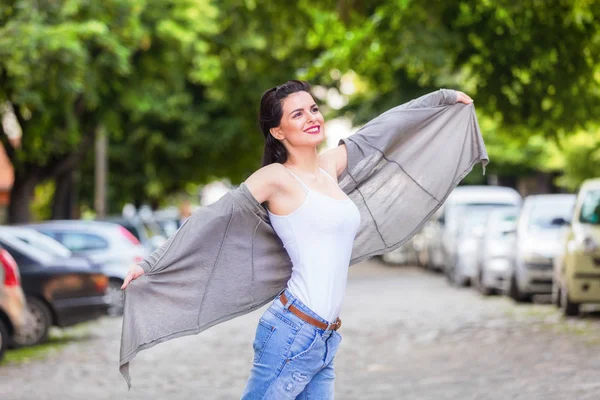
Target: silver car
x,y
463,265
496,251
540,228
404,255
440,232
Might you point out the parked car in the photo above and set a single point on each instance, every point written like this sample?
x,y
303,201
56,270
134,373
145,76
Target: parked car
x,y
107,244
403,255
496,249
577,268
462,266
169,220
441,233
420,248
13,313
58,291
38,240
539,233
112,268
147,231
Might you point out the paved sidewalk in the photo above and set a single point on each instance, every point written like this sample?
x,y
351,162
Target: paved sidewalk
x,y
406,335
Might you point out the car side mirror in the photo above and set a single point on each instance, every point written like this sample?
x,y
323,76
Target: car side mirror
x,y
560,221
509,232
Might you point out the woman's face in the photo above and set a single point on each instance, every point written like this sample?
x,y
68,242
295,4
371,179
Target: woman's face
x,y
301,123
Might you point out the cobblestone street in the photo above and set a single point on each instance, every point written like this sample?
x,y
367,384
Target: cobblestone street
x,y
406,335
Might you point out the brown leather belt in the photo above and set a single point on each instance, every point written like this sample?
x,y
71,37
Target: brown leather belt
x,y
307,318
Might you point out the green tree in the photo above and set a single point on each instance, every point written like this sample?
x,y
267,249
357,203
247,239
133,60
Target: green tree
x,y
531,66
72,67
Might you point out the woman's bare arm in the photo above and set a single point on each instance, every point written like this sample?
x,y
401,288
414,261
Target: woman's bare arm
x,y
265,182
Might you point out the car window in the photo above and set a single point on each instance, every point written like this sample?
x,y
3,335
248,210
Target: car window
x,y
133,229
590,209
52,234
457,212
45,243
541,215
500,221
76,241
21,259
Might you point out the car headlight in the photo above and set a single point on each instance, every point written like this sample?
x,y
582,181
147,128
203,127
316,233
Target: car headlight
x,y
587,244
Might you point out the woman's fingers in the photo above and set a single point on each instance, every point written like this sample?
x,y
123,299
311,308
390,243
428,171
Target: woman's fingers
x,y
133,273
463,98
128,279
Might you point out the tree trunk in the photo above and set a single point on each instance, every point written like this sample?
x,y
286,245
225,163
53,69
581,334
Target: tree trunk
x,y
64,201
21,195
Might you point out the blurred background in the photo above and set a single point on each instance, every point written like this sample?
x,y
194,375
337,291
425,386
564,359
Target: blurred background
x,y
122,117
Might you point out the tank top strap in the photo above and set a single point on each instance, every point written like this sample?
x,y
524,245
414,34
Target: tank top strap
x,y
329,176
306,189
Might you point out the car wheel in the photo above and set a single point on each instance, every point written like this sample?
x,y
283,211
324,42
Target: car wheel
x,y
481,288
556,294
38,324
514,292
4,338
116,298
457,279
568,307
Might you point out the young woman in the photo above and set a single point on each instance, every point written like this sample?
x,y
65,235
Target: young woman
x,y
297,336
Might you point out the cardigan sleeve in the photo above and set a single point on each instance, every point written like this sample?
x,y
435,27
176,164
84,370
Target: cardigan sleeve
x,y
438,98
404,163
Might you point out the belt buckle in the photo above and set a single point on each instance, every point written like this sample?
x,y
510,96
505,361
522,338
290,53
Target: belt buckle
x,y
336,324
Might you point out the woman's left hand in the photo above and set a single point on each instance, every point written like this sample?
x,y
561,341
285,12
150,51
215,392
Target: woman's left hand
x,y
463,98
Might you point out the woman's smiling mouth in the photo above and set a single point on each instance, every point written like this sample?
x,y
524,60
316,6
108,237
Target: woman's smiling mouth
x,y
313,129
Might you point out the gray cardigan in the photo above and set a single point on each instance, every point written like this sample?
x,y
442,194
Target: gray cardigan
x,y
226,259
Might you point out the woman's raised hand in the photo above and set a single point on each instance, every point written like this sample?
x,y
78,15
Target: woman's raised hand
x,y
463,98
133,273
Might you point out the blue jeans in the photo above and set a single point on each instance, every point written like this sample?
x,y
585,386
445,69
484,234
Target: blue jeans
x,y
292,358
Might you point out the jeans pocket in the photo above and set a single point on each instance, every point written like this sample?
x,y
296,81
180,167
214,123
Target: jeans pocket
x,y
305,340
264,331
339,335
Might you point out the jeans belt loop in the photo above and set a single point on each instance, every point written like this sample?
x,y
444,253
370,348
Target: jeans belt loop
x,y
289,303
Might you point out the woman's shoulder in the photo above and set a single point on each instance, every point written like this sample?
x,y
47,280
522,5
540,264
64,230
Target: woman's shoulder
x,y
334,160
267,181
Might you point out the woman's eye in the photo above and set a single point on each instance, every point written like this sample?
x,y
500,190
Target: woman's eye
x,y
316,109
297,115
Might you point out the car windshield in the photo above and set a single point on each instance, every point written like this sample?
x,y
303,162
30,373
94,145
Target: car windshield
x,y
474,219
590,209
45,243
501,221
541,215
482,210
23,250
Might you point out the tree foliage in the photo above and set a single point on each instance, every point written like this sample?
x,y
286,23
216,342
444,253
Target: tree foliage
x,y
176,83
531,66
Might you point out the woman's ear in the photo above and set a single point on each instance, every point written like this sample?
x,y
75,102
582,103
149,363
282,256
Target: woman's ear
x,y
276,133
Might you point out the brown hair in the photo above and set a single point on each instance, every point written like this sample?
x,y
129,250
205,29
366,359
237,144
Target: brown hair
x,y
271,111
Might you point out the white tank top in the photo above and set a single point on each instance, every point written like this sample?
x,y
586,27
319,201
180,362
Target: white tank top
x,y
318,236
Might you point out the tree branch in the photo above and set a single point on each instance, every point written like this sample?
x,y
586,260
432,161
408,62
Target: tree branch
x,y
72,159
10,151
